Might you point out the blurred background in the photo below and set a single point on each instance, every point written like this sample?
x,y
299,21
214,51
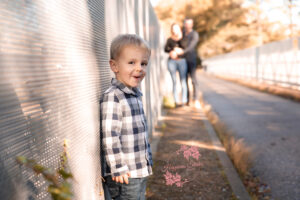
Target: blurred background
x,y
230,25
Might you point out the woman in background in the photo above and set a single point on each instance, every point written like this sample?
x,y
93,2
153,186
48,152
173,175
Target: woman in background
x,y
177,63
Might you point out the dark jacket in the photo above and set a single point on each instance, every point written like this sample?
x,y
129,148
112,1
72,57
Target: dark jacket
x,y
189,43
171,44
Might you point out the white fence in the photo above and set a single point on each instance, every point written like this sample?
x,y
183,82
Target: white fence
x,y
274,63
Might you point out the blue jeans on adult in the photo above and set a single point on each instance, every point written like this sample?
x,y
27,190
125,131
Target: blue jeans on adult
x,y
179,65
134,190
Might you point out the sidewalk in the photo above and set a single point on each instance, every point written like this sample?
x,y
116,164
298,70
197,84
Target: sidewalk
x,y
186,160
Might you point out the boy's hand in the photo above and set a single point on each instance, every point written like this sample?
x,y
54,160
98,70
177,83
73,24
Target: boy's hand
x,y
121,179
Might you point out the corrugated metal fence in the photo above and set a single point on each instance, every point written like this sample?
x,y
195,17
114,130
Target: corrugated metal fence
x,y
53,67
274,63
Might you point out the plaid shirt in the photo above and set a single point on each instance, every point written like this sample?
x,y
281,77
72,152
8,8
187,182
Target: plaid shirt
x,y
124,132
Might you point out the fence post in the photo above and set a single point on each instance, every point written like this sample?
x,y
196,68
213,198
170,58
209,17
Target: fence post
x,y
256,62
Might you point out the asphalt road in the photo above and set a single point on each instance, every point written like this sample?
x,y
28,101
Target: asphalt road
x,y
270,124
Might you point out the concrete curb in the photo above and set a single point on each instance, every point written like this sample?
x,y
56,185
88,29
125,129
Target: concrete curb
x,y
231,174
288,93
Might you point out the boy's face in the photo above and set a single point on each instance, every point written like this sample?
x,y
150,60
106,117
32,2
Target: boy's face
x,y
130,66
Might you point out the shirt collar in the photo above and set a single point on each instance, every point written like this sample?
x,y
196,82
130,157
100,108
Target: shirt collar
x,y
134,91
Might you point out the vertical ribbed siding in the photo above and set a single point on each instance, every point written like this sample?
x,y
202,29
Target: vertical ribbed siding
x,y
49,91
53,67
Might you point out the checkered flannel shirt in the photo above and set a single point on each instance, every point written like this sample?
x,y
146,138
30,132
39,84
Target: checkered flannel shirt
x,y
124,132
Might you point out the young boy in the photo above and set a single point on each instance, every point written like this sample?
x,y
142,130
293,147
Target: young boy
x,y
124,139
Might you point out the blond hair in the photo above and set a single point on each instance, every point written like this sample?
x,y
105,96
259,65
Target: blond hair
x,y
123,40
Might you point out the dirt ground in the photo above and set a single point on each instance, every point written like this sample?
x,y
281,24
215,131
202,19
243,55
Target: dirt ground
x,y
185,164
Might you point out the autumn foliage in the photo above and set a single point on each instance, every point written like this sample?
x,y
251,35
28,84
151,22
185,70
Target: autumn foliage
x,y
223,26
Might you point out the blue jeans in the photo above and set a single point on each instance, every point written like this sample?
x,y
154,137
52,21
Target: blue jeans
x,y
179,65
135,190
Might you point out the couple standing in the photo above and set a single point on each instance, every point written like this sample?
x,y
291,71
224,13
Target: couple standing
x,y
183,58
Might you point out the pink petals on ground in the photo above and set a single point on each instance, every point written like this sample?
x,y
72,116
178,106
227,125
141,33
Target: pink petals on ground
x,y
174,179
189,152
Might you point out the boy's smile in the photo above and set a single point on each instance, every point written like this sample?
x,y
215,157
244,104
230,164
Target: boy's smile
x,y
130,66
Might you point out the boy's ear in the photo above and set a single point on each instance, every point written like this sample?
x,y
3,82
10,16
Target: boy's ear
x,y
113,65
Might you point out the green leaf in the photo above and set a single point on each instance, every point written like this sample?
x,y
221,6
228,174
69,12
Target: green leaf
x,y
38,168
66,196
51,177
65,174
66,187
21,160
53,190
59,188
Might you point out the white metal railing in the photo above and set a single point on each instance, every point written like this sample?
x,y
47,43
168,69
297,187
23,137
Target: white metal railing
x,y
274,63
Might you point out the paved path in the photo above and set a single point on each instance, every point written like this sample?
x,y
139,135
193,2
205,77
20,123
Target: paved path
x,y
186,164
268,123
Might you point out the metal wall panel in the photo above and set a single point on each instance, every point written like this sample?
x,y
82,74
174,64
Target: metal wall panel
x,y
53,67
